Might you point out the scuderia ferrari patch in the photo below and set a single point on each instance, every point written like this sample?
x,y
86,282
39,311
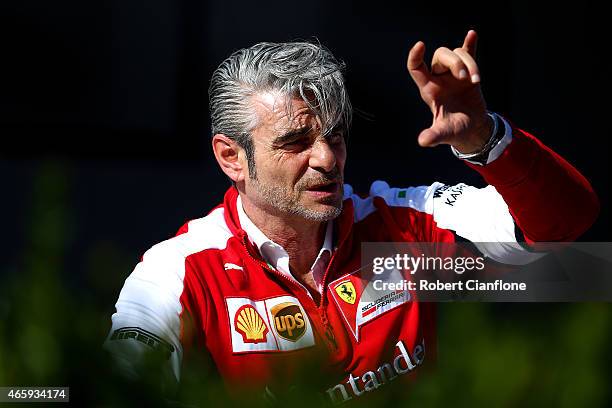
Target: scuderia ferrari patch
x,y
359,302
346,291
275,324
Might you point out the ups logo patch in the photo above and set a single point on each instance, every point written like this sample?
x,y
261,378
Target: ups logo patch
x,y
289,321
269,325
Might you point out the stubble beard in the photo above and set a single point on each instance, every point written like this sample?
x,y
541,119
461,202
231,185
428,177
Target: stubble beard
x,y
278,199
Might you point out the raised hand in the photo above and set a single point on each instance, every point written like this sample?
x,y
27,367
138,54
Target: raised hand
x,y
452,91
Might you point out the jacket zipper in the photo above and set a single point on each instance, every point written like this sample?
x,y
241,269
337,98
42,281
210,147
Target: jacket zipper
x,y
328,331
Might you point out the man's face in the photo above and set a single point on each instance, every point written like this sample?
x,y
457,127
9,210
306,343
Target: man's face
x,y
299,172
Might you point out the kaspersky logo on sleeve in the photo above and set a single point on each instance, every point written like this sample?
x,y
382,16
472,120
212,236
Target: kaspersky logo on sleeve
x,y
274,324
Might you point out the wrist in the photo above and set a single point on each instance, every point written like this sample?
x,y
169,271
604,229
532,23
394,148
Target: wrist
x,y
482,134
493,138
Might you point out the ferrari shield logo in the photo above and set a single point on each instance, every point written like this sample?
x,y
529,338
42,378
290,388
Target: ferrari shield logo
x,y
346,291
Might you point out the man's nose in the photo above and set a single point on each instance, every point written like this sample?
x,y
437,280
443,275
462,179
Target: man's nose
x,y
322,156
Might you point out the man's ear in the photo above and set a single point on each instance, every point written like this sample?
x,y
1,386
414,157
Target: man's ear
x,y
230,157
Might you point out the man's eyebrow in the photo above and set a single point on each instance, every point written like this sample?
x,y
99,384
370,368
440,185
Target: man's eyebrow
x,y
292,134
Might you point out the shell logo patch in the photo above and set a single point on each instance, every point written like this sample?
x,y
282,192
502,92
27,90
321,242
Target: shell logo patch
x,y
289,321
270,325
346,291
250,324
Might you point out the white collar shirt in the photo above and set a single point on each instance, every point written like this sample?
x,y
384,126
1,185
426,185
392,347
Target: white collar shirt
x,y
276,256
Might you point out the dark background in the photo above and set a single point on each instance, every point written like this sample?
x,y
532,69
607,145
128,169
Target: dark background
x,y
105,131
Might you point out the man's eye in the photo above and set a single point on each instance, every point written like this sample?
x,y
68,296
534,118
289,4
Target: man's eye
x,y
295,144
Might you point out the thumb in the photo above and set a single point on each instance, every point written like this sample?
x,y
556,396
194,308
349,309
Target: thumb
x,y
429,137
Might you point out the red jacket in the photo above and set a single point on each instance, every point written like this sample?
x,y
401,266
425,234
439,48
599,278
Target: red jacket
x,y
208,288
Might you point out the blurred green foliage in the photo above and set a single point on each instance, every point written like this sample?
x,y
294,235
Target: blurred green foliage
x,y
498,355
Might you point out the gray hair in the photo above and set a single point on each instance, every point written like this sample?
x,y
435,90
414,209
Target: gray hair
x,y
303,69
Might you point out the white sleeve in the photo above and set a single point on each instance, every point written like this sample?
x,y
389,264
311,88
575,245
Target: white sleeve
x,y
479,215
147,321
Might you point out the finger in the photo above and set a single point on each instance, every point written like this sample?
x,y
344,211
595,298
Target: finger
x,y
470,43
445,60
470,63
416,65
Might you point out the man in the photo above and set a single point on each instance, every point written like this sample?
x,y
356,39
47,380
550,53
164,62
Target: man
x,y
264,282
